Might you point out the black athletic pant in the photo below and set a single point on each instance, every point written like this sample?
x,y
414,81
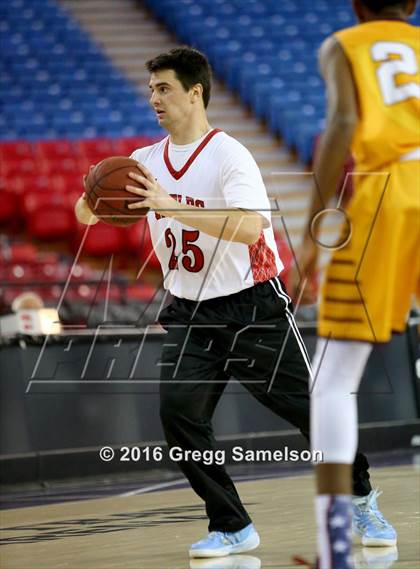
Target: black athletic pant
x,y
247,335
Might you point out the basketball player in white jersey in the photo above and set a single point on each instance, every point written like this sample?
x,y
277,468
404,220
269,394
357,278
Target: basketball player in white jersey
x,y
211,229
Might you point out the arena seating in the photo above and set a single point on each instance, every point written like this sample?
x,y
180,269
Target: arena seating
x,y
55,82
63,107
56,279
266,51
42,174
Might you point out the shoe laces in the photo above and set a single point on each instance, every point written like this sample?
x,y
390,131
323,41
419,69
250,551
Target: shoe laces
x,y
370,509
223,536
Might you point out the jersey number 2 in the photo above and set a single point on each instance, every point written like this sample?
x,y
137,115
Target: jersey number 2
x,y
390,68
193,265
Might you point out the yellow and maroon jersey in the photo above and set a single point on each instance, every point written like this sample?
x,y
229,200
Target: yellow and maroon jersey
x,y
385,59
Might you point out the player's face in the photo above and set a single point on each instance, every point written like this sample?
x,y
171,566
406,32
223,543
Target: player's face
x,y
168,98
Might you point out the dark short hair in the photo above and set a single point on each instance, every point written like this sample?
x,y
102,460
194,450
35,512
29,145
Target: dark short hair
x,y
377,6
190,67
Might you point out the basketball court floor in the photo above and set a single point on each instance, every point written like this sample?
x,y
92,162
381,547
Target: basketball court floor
x,y
152,526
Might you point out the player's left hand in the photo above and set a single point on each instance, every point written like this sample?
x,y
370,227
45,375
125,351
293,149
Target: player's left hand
x,y
155,197
83,212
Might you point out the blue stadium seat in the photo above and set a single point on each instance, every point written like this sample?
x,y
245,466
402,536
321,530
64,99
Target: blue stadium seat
x,y
55,81
266,51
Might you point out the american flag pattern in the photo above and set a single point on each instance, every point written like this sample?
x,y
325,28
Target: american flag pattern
x,y
338,527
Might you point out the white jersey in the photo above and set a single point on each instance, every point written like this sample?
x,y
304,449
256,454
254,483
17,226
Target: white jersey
x,y
214,172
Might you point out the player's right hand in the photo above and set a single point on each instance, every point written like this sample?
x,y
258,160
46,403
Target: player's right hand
x,y
83,213
304,273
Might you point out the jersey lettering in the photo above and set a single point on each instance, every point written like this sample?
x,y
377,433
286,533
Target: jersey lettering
x,y
188,201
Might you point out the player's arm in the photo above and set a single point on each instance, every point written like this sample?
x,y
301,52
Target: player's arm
x,y
83,213
239,225
342,117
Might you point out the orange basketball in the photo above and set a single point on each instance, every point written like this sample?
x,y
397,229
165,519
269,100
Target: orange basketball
x,y
106,195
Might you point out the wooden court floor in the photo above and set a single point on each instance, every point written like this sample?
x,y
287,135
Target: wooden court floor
x,y
153,530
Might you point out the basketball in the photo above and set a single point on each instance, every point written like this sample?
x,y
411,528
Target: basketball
x,y
106,195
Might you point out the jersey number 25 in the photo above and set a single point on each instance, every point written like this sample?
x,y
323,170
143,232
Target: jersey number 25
x,y
193,263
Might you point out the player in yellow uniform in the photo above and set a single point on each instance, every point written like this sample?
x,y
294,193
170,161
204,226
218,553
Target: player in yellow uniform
x,y
372,78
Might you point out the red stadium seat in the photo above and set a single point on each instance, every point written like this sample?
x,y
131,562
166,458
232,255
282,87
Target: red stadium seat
x,y
18,273
13,184
17,150
101,240
48,215
286,256
10,201
66,166
49,275
126,146
79,288
14,194
48,258
95,150
54,150
39,183
24,166
24,253
79,272
23,278
9,205
83,293
24,268
141,291
49,271
70,182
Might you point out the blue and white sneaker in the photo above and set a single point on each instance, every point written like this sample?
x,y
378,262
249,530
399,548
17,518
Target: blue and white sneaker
x,y
375,558
219,544
369,525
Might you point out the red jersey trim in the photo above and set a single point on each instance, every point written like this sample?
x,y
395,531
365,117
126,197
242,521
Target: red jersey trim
x,y
177,174
263,261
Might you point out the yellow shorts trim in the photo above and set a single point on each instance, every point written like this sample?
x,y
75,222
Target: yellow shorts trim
x,y
369,283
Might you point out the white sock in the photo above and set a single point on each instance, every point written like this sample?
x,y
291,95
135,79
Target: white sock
x,y
338,367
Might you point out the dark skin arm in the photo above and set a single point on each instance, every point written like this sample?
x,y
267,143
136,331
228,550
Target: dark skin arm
x,y
342,118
